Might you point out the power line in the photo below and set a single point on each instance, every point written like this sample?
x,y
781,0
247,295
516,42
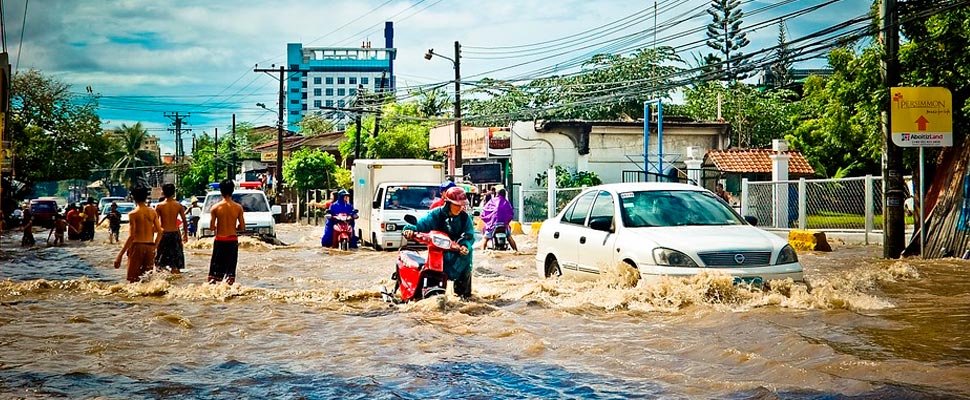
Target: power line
x,y
23,28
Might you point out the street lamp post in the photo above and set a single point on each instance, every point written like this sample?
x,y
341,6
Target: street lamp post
x,y
457,64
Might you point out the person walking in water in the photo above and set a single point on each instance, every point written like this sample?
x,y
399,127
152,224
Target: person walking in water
x,y
90,214
114,222
226,220
144,234
169,252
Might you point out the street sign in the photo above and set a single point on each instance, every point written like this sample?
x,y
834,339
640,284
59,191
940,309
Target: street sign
x,y
922,117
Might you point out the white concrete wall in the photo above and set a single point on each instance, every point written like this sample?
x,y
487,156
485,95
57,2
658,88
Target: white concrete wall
x,y
613,149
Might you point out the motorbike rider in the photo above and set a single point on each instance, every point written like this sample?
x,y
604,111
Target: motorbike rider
x,y
341,206
497,211
440,201
454,221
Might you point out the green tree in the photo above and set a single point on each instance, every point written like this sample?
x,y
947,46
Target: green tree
x,y
196,176
756,117
310,169
781,69
56,134
839,125
404,134
432,103
130,158
315,123
725,36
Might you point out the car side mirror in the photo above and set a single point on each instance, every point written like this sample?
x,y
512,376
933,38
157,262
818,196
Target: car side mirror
x,y
410,219
277,210
751,220
477,213
377,204
601,224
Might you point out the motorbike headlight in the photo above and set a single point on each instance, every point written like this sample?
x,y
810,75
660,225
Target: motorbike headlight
x,y
672,258
787,255
441,242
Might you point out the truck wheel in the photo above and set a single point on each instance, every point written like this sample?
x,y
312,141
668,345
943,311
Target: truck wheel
x,y
377,246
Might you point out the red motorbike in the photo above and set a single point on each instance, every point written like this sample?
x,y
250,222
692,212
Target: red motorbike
x,y
418,277
342,231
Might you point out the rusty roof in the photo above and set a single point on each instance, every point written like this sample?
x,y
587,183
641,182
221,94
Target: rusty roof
x,y
755,161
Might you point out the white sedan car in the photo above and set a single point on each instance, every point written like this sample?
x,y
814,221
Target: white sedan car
x,y
660,229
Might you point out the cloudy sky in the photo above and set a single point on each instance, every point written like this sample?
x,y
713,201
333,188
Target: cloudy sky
x,y
149,57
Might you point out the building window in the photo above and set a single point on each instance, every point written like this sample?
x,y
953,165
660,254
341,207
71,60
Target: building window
x,y
303,95
317,91
340,103
294,102
295,90
353,80
303,84
353,91
316,104
294,113
329,103
330,80
363,80
340,80
341,92
316,80
295,78
329,91
304,106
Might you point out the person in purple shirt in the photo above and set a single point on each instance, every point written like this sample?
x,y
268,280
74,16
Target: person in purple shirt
x,y
497,211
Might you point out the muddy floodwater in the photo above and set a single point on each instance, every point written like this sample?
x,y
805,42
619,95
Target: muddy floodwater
x,y
303,322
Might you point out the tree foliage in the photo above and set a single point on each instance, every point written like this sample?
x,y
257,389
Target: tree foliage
x,y
56,134
609,87
725,36
130,158
310,169
756,117
315,123
403,134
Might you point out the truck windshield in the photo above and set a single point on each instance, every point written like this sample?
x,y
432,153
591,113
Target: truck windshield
x,y
250,202
409,197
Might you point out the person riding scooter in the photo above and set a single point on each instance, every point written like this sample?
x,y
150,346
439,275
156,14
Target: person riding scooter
x,y
453,220
440,200
498,211
341,206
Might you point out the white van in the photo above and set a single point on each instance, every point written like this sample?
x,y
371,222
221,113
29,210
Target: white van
x,y
258,213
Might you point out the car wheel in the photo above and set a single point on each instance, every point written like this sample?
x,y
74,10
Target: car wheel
x,y
636,271
552,267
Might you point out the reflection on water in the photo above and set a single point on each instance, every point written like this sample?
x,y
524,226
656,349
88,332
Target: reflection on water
x,y
306,322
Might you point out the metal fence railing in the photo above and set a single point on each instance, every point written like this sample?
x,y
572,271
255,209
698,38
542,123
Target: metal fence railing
x,y
849,204
535,204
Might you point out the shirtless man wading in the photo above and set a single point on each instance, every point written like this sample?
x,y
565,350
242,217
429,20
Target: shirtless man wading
x,y
226,220
143,226
169,253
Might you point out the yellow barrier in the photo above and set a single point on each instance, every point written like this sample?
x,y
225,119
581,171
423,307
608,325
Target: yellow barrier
x,y
535,228
803,240
516,228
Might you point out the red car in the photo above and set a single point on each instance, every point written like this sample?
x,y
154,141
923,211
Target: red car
x,y
43,212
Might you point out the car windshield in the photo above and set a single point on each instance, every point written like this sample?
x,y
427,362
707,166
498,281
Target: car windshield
x,y
409,197
126,208
674,208
43,206
250,202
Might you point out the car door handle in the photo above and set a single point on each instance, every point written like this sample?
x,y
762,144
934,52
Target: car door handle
x,y
555,235
582,240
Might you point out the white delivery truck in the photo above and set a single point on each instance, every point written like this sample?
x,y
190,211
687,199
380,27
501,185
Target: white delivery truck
x,y
387,190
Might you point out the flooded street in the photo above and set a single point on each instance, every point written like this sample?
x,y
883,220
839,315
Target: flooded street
x,y
304,323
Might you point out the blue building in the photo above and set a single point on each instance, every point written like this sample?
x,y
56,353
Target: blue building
x,y
334,77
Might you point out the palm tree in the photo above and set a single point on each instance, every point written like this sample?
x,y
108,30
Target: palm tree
x,y
131,157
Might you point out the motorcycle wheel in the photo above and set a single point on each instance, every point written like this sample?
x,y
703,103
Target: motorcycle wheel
x,y
344,244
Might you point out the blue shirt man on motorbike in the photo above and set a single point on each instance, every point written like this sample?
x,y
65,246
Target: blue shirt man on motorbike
x,y
453,220
341,206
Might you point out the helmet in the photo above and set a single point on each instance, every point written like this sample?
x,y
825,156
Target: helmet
x,y
456,195
342,193
445,186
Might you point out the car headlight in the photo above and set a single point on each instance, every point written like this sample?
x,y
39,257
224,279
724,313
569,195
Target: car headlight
x,y
389,226
672,258
787,255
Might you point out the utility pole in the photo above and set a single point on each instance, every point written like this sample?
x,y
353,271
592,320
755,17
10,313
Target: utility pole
x,y
279,124
894,223
358,105
177,120
358,111
231,169
380,104
457,106
215,158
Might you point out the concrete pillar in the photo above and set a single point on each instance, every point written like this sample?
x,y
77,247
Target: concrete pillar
x,y
779,175
694,171
551,193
